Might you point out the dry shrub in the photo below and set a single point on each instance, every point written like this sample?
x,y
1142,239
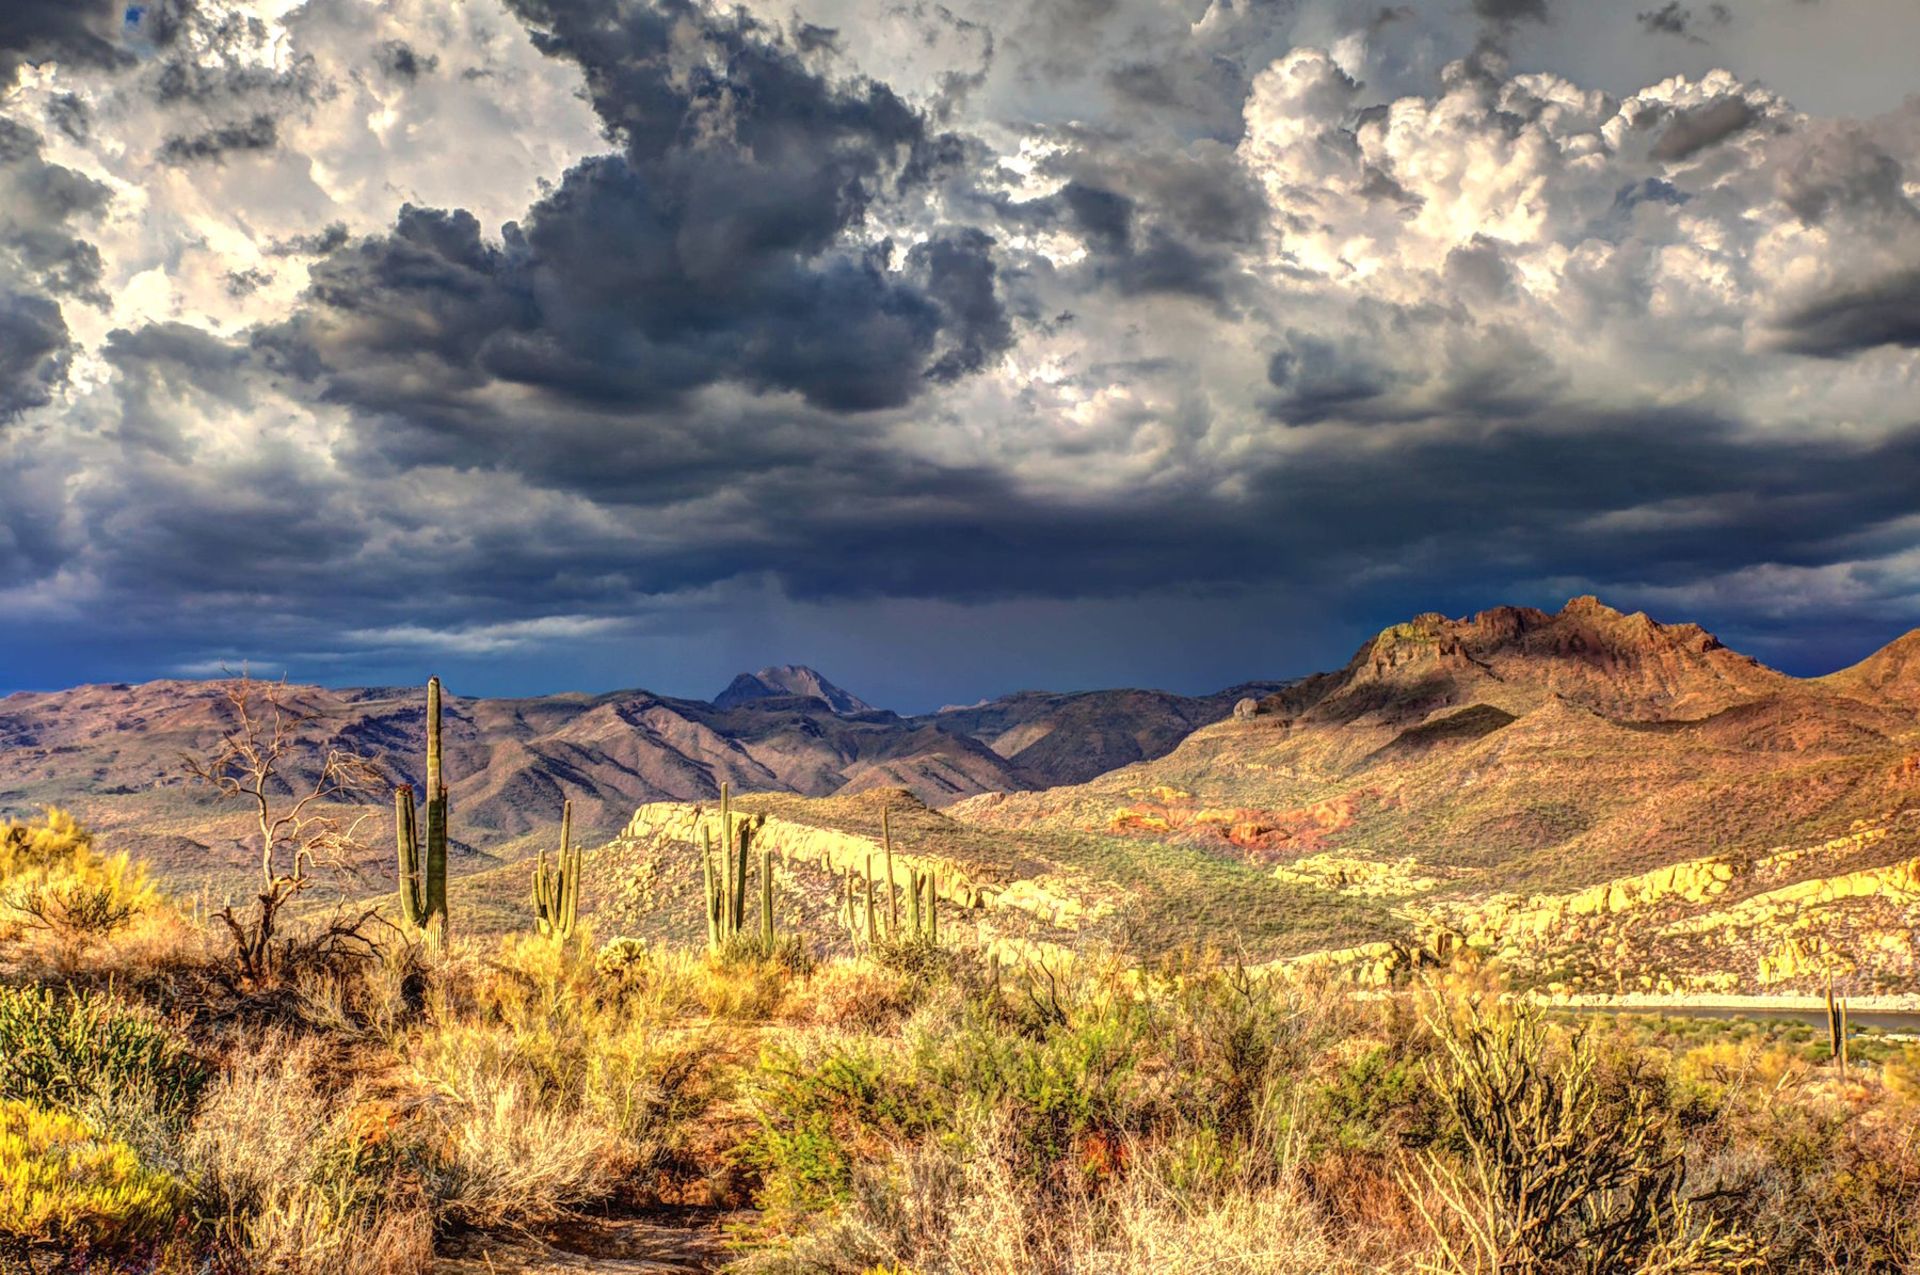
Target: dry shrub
x,y
854,997
506,1155
742,989
1558,1176
553,1083
303,1178
1272,1230
373,997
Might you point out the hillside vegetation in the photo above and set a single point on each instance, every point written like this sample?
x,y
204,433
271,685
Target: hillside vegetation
x,y
374,1103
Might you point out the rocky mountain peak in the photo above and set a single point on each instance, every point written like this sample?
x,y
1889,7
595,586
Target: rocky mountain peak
x,y
1622,665
789,680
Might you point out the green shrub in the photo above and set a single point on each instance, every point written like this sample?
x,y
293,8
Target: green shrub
x,y
815,1111
786,952
64,1048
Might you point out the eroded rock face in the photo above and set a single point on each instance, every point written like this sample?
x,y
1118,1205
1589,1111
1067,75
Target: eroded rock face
x,y
1172,812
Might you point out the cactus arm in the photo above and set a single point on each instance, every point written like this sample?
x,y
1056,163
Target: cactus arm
x,y
566,902
1842,1036
542,896
740,880
576,871
766,899
726,863
893,899
933,906
407,836
709,892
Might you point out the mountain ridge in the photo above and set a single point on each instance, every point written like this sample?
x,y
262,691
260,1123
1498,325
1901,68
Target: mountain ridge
x,y
112,752
1569,746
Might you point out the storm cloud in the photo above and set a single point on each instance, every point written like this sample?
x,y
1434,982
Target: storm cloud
x,y
565,329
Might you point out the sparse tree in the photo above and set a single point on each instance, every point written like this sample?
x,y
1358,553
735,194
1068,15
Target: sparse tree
x,y
299,825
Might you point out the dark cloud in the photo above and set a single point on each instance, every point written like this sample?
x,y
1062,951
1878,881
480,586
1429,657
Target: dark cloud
x,y
1673,18
1694,129
398,59
1506,13
714,247
1479,270
1676,19
1180,234
959,273
260,133
34,352
68,113
242,283
40,200
78,31
320,244
1843,170
1885,312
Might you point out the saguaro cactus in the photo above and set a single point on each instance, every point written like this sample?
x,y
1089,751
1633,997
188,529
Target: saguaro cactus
x,y
766,898
726,881
893,898
922,919
556,893
1837,1027
423,885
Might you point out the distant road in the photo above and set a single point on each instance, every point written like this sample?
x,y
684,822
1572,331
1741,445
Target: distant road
x,y
1888,1013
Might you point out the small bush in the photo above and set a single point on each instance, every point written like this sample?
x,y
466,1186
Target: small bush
x,y
62,1182
62,1048
82,906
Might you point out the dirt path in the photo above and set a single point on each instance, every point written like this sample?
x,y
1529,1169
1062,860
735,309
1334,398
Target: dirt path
x,y
667,1241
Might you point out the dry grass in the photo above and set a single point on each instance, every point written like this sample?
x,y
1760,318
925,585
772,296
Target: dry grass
x,y
301,1174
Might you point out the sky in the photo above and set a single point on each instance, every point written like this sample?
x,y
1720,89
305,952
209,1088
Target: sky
x,y
951,348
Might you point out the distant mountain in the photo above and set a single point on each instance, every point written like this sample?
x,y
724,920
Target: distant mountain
x,y
1053,738
1535,748
113,752
789,681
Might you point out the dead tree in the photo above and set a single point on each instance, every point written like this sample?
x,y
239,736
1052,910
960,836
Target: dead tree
x,y
299,825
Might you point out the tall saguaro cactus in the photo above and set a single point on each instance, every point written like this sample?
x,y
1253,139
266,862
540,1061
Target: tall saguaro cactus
x,y
556,893
423,885
726,880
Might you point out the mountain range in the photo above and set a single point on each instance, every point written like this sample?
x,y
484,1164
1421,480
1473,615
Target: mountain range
x,y
1603,802
113,753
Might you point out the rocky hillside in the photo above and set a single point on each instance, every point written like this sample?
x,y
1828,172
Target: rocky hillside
x,y
1514,775
113,752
